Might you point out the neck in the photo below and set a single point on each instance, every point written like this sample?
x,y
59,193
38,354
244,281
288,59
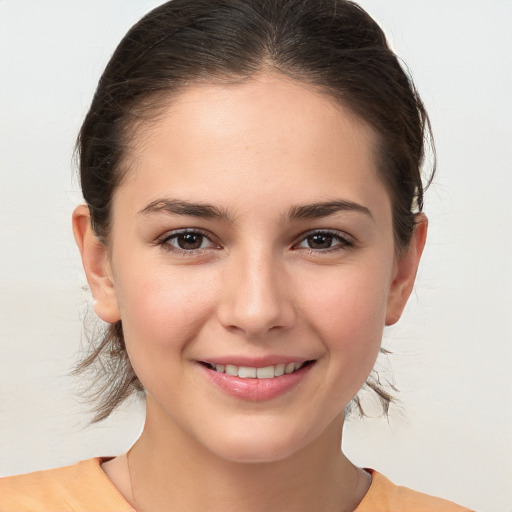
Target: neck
x,y
169,470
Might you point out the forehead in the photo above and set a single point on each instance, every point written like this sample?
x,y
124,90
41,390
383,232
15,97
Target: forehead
x,y
259,136
247,108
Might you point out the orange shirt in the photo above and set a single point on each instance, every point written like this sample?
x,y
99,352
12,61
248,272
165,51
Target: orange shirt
x,y
84,487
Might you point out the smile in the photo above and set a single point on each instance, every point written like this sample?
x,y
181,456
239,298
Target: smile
x,y
250,372
256,383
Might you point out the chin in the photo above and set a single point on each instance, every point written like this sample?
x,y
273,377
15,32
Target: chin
x,y
266,444
255,453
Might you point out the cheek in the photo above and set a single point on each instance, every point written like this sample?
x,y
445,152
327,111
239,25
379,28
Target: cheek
x,y
162,310
348,310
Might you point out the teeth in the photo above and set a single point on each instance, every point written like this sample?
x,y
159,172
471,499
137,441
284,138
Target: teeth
x,y
246,372
267,372
249,372
278,370
289,368
231,370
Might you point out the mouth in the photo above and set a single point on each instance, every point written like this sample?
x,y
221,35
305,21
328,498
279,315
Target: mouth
x,y
251,372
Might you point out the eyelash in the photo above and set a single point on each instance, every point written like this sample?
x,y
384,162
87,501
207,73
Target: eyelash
x,y
344,241
164,241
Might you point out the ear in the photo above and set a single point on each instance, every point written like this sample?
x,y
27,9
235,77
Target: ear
x,y
96,265
405,271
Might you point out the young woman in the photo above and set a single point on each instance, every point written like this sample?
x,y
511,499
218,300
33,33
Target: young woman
x,y
253,220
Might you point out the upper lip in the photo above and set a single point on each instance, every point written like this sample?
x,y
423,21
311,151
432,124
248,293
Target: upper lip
x,y
255,362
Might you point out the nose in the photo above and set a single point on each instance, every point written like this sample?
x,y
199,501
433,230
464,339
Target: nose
x,y
256,296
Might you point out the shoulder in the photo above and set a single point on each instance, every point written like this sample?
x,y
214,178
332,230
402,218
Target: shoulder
x,y
83,487
385,496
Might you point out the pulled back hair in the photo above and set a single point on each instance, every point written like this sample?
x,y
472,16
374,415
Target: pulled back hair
x,y
333,45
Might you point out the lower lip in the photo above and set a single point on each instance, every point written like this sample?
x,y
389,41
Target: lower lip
x,y
256,389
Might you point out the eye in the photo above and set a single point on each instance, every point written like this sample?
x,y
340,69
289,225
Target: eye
x,y
186,240
325,241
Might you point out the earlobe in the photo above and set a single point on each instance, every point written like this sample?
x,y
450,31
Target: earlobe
x,y
96,265
405,271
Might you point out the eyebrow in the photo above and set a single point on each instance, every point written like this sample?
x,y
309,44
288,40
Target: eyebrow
x,y
180,207
324,209
208,211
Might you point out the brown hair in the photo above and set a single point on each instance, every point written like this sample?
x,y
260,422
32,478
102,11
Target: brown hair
x,y
331,44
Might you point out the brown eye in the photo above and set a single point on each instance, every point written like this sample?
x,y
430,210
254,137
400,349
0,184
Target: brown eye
x,y
189,241
325,241
320,241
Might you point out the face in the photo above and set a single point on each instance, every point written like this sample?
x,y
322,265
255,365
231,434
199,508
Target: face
x,y
251,261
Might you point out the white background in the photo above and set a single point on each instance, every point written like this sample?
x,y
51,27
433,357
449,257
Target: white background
x,y
451,436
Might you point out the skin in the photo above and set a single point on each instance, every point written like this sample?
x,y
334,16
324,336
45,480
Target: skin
x,y
259,285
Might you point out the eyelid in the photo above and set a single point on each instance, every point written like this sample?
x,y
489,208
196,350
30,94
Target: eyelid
x,y
346,241
163,240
